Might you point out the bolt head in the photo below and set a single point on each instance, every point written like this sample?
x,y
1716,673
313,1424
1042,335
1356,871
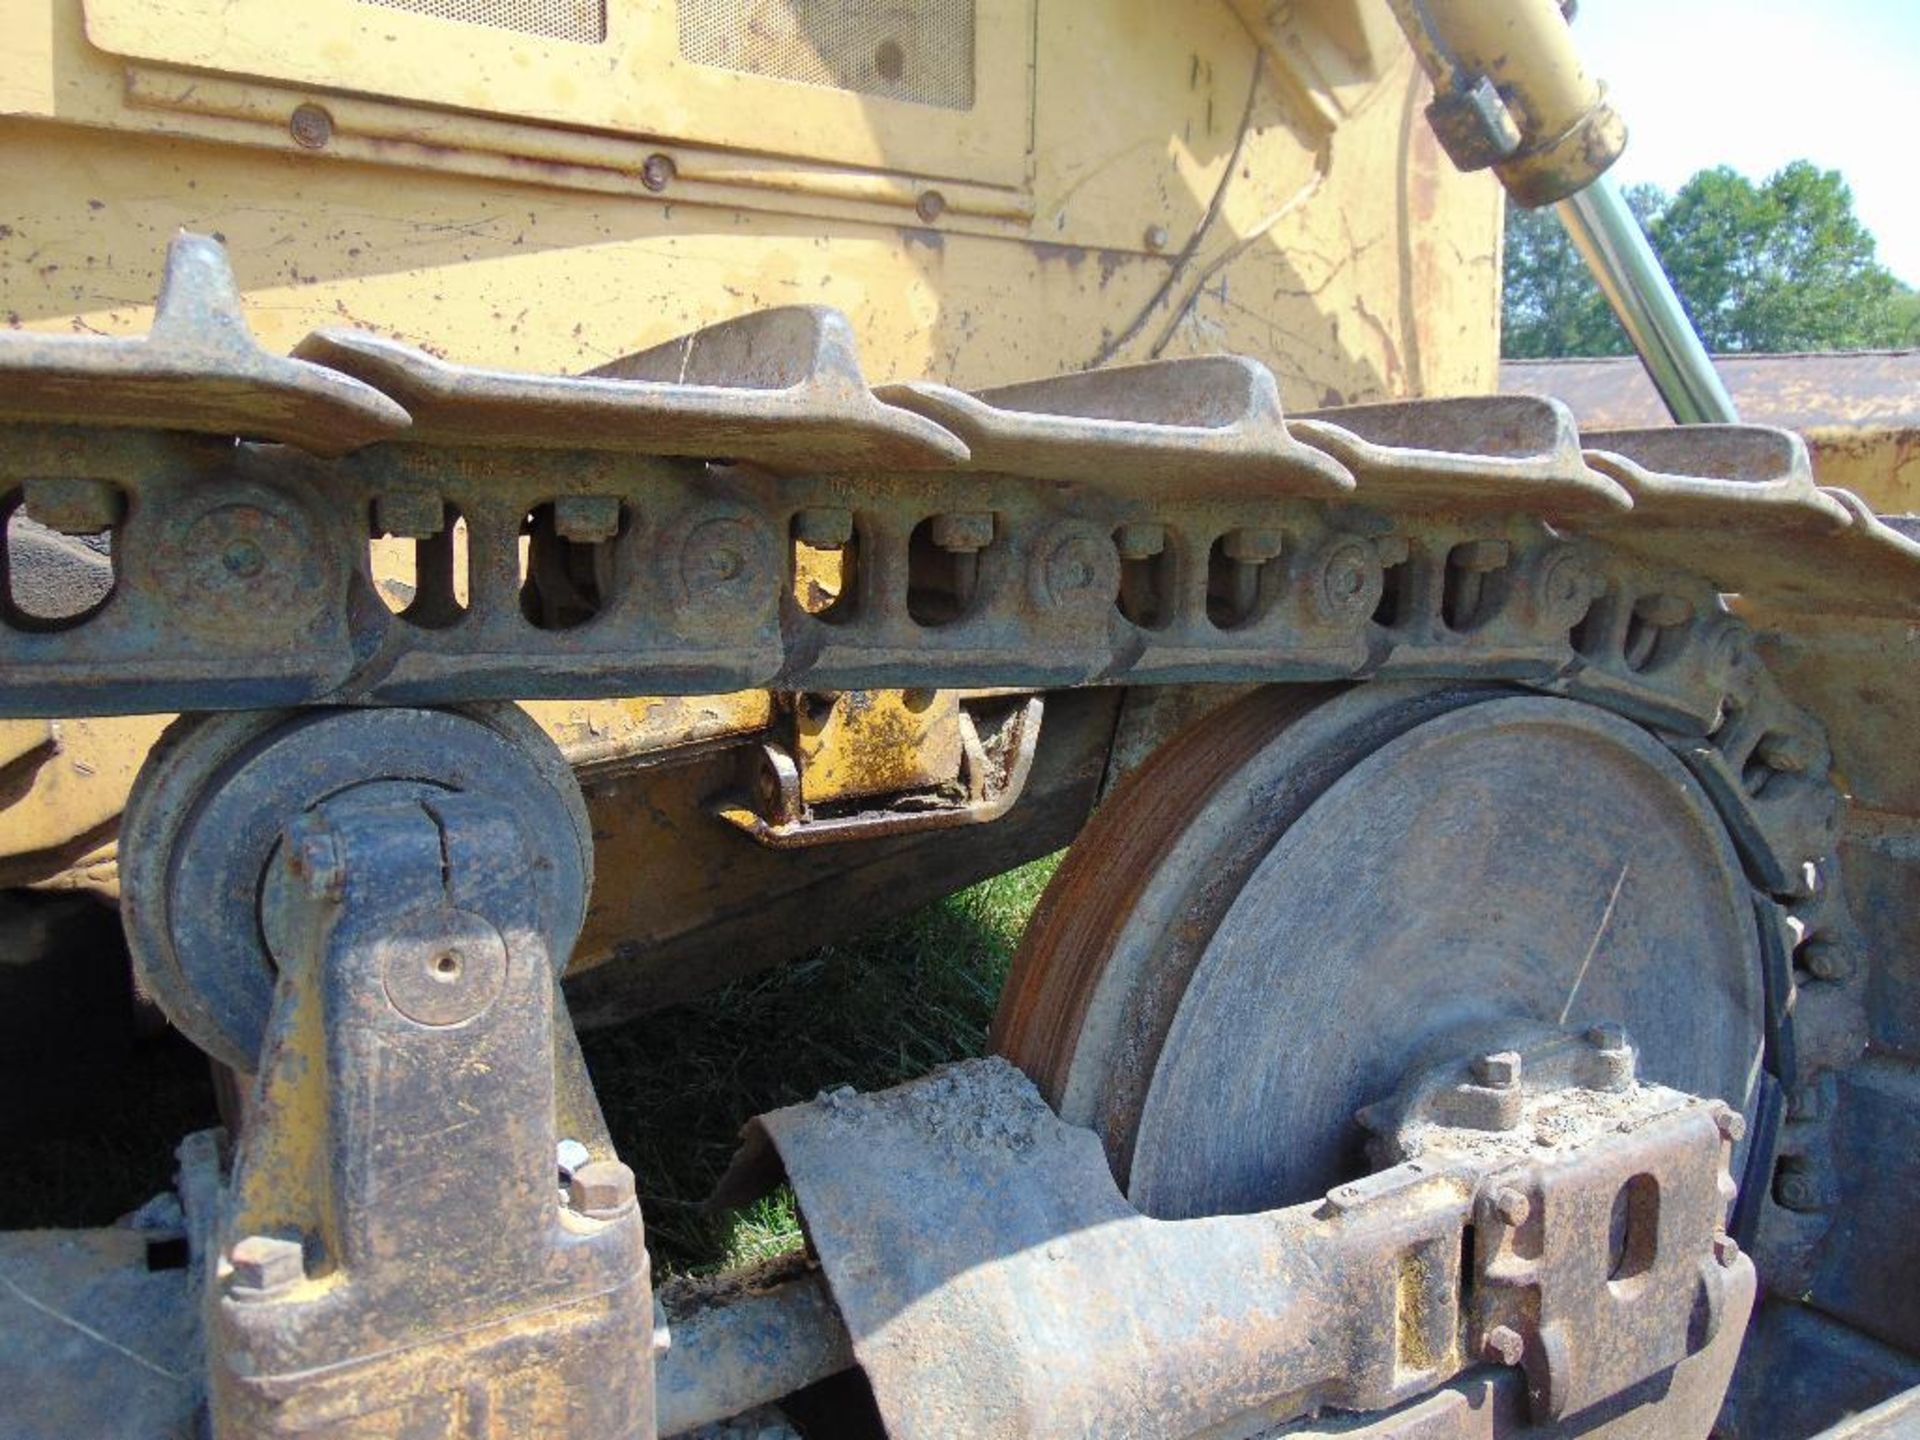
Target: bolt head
x,y
962,533
601,1189
1504,1346
1481,556
824,527
586,519
1140,540
1664,611
1726,1249
313,858
930,206
1251,546
1499,1070
1731,1124
261,1264
1157,237
311,126
73,505
657,172
1827,960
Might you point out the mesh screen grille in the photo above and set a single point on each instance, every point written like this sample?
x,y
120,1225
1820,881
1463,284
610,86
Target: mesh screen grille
x,y
919,50
580,20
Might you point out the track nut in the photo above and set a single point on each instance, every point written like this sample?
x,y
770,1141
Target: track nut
x,y
262,1265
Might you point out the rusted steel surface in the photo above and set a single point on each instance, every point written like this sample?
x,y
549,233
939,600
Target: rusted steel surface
x,y
1453,454
1213,421
393,1254
994,765
995,1283
744,1340
781,388
1844,559
587,572
199,369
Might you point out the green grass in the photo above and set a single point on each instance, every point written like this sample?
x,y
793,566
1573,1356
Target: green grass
x,y
676,1086
878,1009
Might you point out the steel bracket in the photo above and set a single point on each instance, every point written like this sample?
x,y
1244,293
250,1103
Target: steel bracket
x,y
396,1255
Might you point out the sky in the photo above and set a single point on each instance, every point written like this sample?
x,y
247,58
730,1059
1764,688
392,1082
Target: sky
x,y
1757,83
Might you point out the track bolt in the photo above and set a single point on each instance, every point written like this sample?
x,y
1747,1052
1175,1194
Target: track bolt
x,y
1512,1206
1480,557
1499,1070
964,533
601,1189
1140,540
263,1264
74,506
1607,1035
1251,546
657,172
1788,751
1726,1250
1827,959
1503,1346
586,519
1731,1124
824,527
409,514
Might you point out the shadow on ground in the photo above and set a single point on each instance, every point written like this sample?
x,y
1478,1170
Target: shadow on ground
x,y
94,1107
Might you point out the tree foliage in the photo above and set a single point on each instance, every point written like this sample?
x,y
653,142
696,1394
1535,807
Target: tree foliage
x,y
1779,266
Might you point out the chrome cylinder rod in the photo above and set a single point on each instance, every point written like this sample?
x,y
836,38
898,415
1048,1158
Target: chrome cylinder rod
x,y
1615,248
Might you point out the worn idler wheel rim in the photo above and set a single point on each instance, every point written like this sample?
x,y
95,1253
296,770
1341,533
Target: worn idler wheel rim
x,y
1305,896
203,825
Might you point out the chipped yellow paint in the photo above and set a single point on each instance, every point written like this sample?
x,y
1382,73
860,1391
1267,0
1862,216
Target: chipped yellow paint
x,y
875,742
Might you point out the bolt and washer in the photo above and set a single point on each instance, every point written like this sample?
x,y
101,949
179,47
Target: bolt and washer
x,y
601,1189
261,1265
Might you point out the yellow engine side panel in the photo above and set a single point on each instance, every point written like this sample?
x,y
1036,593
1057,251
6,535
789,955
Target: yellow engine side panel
x,y
1178,188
